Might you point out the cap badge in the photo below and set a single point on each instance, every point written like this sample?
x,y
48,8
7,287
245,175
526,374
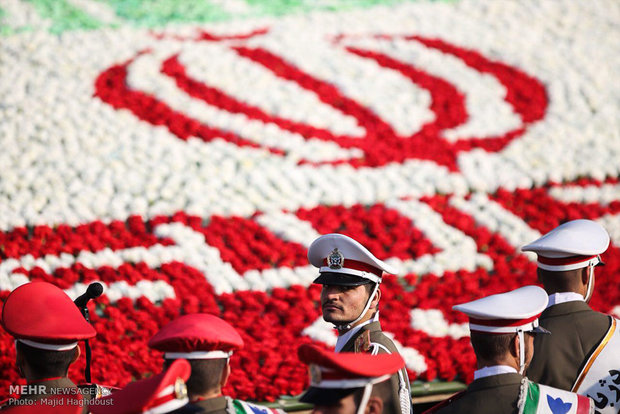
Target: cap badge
x,y
335,260
180,389
315,374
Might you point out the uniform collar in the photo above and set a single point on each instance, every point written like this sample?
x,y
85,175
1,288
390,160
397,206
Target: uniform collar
x,y
212,404
493,370
344,338
562,297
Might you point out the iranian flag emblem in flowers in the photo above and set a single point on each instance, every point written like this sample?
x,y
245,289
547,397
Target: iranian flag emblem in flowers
x,y
188,167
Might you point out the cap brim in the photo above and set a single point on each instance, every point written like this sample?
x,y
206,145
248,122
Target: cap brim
x,y
340,279
540,330
326,396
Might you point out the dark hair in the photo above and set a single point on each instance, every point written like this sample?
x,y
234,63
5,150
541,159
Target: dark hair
x,y
564,281
382,390
205,377
44,363
490,347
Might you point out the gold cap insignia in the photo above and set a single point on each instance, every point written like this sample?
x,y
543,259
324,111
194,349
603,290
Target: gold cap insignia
x,y
180,389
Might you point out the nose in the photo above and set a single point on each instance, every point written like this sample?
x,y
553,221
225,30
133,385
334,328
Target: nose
x,y
331,292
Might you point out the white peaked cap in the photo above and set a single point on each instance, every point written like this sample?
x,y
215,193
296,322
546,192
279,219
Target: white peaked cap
x,y
570,246
507,312
338,254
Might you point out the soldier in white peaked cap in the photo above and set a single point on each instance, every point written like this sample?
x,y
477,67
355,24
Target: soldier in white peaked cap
x,y
567,256
502,328
351,276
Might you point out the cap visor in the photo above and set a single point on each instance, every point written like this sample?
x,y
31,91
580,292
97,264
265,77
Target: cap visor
x,y
325,396
540,330
340,279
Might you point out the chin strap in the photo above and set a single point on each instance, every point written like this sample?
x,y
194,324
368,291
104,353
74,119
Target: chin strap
x,y
348,325
590,287
365,398
521,352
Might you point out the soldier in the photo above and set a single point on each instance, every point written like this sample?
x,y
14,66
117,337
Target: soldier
x,y
348,383
582,339
164,393
207,342
351,276
46,326
502,329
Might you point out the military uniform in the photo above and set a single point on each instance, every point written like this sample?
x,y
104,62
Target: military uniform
x,y
217,405
576,330
371,339
501,389
202,336
335,376
489,395
162,393
343,261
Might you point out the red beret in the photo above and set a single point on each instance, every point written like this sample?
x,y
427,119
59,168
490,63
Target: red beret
x,y
161,393
334,376
197,336
43,316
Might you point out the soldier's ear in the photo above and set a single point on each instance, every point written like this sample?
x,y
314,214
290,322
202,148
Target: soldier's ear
x,y
374,302
584,275
374,406
76,355
514,346
225,374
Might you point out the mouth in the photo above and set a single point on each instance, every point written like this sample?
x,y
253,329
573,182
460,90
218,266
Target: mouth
x,y
331,307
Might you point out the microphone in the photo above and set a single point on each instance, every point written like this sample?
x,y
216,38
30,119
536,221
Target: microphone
x,y
94,290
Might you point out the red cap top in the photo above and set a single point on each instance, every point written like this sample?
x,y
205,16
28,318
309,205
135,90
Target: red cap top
x,y
42,312
197,336
161,393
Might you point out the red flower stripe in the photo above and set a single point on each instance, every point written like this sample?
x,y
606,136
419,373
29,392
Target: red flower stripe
x,y
95,236
111,87
384,231
213,96
543,212
525,93
247,245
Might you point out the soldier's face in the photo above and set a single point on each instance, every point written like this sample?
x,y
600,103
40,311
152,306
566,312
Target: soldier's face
x,y
343,303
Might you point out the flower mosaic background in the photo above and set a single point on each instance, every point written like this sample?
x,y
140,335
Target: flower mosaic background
x,y
186,156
